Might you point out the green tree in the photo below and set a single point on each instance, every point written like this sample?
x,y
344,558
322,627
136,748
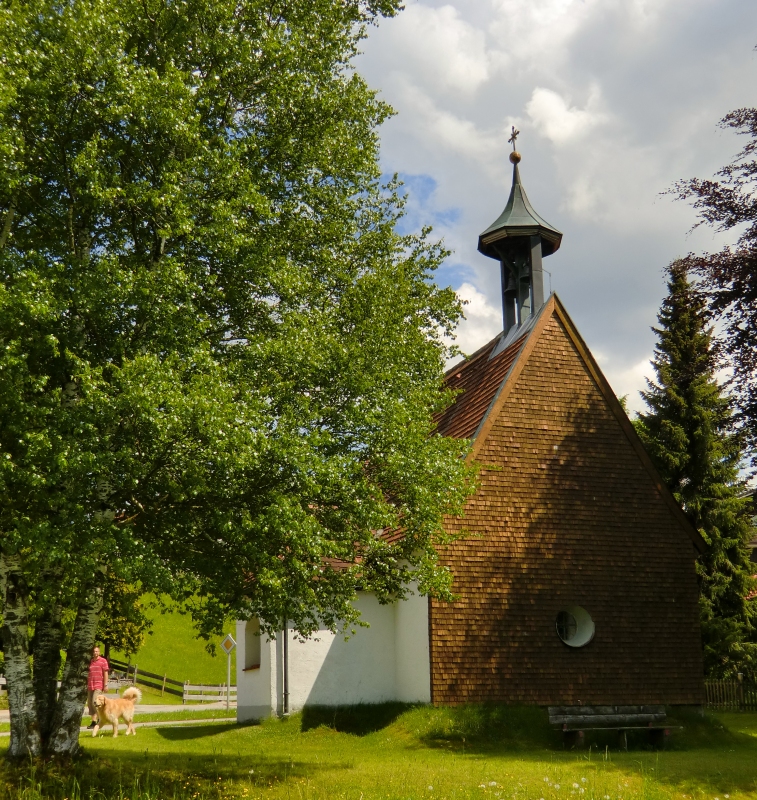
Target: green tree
x,y
690,434
219,362
123,623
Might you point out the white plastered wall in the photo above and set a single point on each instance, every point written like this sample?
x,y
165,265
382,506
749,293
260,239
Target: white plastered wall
x,y
387,661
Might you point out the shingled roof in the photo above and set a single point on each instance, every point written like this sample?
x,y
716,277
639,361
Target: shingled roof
x,y
485,379
478,380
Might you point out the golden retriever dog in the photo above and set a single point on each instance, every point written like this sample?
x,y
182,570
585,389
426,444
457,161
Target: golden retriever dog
x,y
110,709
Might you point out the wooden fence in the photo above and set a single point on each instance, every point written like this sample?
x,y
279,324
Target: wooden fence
x,y
208,694
131,674
730,695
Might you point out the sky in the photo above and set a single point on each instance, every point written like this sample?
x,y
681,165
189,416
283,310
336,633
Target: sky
x,y
615,101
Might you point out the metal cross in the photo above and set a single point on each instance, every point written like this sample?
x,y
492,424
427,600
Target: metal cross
x,y
514,136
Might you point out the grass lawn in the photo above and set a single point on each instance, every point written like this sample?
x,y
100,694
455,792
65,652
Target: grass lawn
x,y
398,753
174,649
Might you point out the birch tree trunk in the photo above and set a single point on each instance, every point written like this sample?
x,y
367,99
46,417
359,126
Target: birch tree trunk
x,y
25,738
64,739
46,645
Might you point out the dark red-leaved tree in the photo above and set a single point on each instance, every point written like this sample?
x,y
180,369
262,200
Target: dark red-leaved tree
x,y
730,276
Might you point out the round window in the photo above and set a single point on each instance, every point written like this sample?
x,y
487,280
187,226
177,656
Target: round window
x,y
574,626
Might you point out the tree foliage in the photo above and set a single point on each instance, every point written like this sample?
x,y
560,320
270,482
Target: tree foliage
x,y
730,276
219,362
123,623
690,434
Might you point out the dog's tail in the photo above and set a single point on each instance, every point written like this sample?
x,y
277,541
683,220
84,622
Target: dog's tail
x,y
132,693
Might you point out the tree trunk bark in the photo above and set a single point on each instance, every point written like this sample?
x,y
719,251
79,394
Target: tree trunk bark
x,y
64,740
25,739
46,645
8,222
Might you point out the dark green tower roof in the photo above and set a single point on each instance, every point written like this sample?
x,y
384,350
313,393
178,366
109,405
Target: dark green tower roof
x,y
518,219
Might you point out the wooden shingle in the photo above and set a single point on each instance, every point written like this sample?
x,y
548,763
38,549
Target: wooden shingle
x,y
569,511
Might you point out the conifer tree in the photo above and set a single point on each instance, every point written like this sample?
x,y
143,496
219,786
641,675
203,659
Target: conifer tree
x,y
689,432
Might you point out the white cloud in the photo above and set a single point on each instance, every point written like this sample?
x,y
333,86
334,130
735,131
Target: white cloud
x,y
626,380
616,99
483,320
438,49
557,120
457,134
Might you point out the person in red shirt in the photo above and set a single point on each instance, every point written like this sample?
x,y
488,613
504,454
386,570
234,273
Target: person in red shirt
x,y
97,682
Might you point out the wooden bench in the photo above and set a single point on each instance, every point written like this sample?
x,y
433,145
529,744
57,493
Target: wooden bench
x,y
574,720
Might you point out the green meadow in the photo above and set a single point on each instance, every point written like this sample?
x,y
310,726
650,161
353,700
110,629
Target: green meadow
x,y
395,752
173,648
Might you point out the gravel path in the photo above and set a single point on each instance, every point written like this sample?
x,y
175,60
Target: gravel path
x,y
157,709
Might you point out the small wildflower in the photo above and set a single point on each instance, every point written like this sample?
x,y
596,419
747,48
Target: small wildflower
x,y
583,780
494,783
546,780
431,788
575,786
557,786
726,796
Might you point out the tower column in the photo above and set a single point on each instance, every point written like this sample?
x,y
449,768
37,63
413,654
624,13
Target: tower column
x,y
509,295
537,274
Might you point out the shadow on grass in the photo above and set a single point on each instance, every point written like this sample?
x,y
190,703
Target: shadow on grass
x,y
483,727
358,720
490,728
185,733
140,776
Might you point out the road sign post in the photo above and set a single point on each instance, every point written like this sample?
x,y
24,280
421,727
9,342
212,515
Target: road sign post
x,y
228,645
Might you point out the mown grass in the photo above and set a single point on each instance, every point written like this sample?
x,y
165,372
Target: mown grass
x,y
396,752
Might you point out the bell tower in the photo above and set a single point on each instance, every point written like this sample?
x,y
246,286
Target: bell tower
x,y
519,239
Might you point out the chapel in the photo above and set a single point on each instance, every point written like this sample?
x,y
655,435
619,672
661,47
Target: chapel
x,y
576,580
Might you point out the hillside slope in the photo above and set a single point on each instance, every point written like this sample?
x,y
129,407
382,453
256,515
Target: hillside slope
x,y
174,649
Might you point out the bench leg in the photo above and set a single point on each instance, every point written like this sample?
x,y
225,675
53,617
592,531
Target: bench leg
x,y
573,739
657,738
622,740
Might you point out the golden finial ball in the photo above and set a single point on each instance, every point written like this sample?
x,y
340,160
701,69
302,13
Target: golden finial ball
x,y
515,157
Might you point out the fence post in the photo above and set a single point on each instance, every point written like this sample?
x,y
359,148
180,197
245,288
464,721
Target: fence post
x,y
162,691
184,694
135,674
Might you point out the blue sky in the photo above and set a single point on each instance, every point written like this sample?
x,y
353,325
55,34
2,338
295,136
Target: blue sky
x,y
615,100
